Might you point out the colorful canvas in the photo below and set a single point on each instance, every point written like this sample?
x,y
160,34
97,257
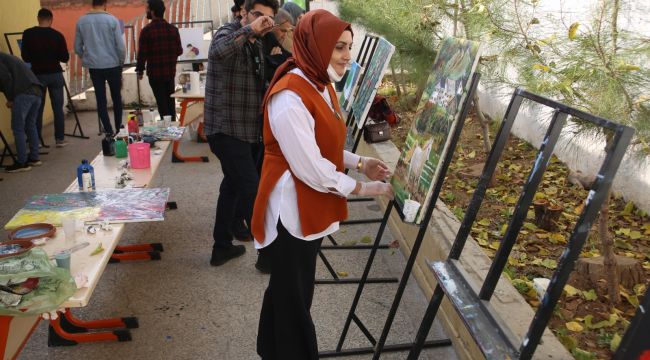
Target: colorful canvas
x,y
437,115
170,133
371,80
347,95
115,206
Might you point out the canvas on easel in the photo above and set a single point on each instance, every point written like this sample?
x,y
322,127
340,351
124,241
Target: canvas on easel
x,y
371,80
437,115
347,95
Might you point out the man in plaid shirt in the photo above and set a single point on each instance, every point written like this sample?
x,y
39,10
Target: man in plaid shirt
x,y
159,46
233,97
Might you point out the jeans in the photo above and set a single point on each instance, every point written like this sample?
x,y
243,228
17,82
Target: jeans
x,y
113,76
23,124
162,89
238,187
54,84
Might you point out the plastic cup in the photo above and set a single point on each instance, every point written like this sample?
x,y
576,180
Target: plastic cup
x,y
70,229
167,121
63,259
411,208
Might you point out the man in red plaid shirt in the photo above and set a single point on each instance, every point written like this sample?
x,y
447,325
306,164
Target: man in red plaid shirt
x,y
159,46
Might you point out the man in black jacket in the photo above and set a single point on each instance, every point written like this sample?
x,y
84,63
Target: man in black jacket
x,y
45,48
23,92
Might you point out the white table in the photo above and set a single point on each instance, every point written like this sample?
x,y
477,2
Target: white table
x,y
15,331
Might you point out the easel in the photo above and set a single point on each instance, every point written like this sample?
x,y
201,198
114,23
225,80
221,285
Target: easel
x,y
491,334
635,341
6,151
366,52
423,226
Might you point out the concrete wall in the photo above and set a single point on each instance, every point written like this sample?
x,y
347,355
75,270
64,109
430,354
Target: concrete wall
x,y
16,16
508,303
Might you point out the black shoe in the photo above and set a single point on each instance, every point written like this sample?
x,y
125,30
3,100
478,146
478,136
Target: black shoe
x,y
34,162
221,255
18,167
263,264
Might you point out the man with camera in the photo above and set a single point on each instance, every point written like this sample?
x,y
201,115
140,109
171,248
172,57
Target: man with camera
x,y
234,90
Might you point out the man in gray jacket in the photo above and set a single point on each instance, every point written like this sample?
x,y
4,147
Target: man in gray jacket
x,y
23,92
100,43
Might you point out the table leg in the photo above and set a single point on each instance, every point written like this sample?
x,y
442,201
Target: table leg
x,y
131,256
5,322
176,156
63,332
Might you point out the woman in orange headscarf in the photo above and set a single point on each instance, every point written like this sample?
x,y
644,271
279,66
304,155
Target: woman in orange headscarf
x,y
303,187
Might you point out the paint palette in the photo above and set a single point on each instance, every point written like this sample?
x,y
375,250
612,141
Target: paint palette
x,y
33,231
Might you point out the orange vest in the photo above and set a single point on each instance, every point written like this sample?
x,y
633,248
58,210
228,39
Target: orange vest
x,y
317,210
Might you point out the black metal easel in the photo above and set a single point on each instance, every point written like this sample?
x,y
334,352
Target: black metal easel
x,y
492,336
636,342
339,351
366,53
6,151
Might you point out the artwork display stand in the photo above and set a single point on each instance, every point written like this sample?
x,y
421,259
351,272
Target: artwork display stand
x,y
490,333
635,344
377,346
366,52
6,151
73,110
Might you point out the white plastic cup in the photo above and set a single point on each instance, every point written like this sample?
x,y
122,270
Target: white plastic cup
x,y
69,229
167,122
411,208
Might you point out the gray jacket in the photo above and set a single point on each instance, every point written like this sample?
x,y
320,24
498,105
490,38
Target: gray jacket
x,y
99,41
16,78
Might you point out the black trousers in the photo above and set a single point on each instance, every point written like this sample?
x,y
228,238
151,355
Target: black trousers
x,y
286,330
238,187
162,89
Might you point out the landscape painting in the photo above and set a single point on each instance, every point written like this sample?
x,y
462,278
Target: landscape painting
x,y
347,95
371,80
427,142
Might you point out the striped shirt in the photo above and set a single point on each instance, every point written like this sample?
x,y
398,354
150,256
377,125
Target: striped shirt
x,y
235,84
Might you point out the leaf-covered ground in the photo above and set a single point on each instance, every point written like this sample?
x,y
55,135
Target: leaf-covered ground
x,y
584,321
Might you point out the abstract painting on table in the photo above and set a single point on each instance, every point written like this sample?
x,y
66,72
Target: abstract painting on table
x,y
371,80
435,120
347,95
115,206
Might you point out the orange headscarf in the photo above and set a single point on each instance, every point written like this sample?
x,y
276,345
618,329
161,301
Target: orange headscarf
x,y
311,51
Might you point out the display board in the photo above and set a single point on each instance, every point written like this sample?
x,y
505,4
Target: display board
x,y
436,117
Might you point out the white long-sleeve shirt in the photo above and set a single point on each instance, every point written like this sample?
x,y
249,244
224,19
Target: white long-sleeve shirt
x,y
293,127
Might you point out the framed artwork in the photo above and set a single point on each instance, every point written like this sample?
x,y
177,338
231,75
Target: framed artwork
x,y
14,42
194,47
347,95
427,142
371,80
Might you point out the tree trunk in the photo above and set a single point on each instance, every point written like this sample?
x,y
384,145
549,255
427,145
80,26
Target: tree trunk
x,y
590,271
609,259
485,124
396,81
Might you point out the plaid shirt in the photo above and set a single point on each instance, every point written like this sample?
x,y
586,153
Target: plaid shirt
x,y
159,46
235,84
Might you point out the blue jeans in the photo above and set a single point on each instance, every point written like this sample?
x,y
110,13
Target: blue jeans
x,y
113,76
23,124
54,84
